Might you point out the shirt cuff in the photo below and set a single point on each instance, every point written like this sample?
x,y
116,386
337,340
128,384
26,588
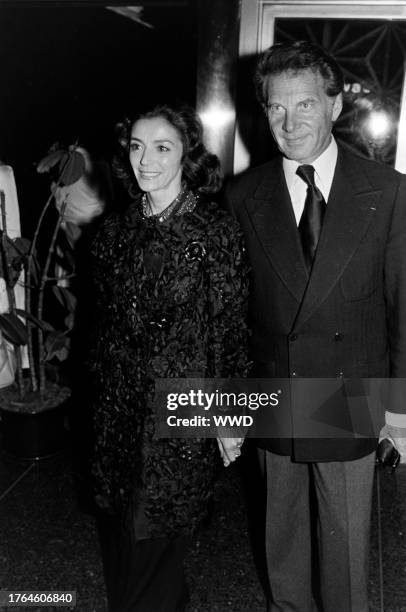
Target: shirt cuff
x,y
395,420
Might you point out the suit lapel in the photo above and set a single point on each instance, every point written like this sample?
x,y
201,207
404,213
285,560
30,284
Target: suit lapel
x,y
350,208
272,217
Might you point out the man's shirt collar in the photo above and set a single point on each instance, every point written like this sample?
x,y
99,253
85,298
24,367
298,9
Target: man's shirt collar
x,y
324,167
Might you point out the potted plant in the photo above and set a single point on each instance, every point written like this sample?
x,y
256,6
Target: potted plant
x,y
32,411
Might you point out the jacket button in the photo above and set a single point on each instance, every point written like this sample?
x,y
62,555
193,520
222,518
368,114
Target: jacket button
x,y
338,336
293,337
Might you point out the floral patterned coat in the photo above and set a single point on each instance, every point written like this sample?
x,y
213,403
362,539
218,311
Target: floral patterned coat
x,y
170,302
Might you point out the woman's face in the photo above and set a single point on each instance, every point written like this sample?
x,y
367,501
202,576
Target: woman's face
x,y
155,156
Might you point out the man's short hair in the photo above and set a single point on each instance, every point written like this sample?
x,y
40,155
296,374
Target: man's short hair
x,y
295,57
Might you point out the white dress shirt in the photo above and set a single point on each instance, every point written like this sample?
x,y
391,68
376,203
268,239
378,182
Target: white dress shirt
x,y
324,168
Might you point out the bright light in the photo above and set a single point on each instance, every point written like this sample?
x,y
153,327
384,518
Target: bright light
x,y
216,122
378,125
215,118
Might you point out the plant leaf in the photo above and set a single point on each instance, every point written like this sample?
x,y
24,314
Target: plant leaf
x,y
57,345
65,297
44,325
73,169
13,329
70,321
50,160
13,256
22,245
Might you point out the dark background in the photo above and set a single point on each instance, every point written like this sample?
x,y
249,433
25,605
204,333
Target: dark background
x,y
70,73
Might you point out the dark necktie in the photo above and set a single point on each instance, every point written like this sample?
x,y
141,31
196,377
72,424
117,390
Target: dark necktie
x,y
312,216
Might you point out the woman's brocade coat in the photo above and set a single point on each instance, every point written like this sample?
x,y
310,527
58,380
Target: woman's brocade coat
x,y
170,301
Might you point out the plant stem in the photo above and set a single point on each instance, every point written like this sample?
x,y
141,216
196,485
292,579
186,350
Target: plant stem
x,y
44,279
30,348
39,377
28,289
10,291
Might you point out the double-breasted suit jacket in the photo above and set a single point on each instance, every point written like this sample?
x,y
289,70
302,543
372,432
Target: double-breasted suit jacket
x,y
348,319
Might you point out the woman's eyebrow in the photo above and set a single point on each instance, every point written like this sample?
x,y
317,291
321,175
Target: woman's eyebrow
x,y
158,140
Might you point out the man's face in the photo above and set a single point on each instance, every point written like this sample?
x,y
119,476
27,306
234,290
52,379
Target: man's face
x,y
301,114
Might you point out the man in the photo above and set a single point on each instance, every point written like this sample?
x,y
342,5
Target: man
x,y
326,237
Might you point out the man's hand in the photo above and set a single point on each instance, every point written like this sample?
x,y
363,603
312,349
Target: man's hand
x,y
230,449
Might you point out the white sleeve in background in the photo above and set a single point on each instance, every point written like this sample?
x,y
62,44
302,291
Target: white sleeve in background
x,y
8,186
395,420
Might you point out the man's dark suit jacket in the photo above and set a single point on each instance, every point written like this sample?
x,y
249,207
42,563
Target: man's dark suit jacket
x,y
349,319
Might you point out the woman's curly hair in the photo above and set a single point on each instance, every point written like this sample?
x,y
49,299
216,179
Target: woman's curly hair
x,y
201,170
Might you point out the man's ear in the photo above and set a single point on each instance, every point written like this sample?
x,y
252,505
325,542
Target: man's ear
x,y
337,107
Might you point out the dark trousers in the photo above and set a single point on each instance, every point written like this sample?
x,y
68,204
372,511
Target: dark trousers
x,y
144,575
343,495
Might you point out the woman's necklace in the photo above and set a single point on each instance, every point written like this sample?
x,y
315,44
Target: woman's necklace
x,y
185,201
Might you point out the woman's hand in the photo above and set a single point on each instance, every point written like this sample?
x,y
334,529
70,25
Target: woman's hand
x,y
230,449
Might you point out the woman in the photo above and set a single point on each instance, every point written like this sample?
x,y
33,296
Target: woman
x,y
170,284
